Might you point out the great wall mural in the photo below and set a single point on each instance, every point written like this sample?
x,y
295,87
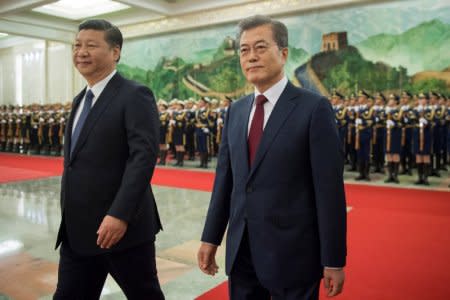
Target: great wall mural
x,y
381,47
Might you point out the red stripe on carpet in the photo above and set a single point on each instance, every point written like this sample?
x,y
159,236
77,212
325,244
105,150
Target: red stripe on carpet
x,y
398,245
22,167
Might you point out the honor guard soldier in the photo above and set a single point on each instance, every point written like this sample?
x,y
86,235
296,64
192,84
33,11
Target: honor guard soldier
x,y
178,123
340,112
53,132
26,129
202,131
423,119
448,126
443,101
224,105
406,155
34,133
379,132
394,124
351,132
213,116
436,147
164,119
10,132
3,128
440,115
190,128
363,134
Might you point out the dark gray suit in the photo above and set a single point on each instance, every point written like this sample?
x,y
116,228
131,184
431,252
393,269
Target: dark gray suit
x,y
290,205
108,173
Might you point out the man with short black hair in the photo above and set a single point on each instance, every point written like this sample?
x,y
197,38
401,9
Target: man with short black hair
x,y
109,214
279,182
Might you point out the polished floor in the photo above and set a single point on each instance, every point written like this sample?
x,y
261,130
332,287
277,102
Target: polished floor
x,y
29,218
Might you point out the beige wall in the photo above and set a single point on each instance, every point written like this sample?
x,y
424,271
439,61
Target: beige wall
x,y
37,72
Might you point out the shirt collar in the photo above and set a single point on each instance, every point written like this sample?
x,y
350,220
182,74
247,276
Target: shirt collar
x,y
98,88
275,91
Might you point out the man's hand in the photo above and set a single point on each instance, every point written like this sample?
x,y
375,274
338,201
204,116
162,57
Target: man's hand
x,y
110,232
333,280
207,259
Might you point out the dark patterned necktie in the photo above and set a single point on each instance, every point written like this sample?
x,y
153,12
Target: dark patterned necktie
x,y
83,116
256,128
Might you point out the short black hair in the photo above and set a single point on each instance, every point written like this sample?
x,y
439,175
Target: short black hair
x,y
113,36
279,30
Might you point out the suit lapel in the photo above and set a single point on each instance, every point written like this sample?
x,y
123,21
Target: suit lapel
x,y
102,102
280,113
68,132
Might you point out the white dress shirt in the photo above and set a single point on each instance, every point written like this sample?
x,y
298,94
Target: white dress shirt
x,y
272,95
96,89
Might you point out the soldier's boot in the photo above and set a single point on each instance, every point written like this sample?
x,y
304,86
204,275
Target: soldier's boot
x,y
181,158
205,160
396,166
410,165
177,159
366,171
361,171
201,154
352,163
390,172
434,162
162,157
426,171
419,173
403,163
444,161
191,155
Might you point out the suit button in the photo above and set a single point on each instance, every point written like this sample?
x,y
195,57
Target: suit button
x,y
249,189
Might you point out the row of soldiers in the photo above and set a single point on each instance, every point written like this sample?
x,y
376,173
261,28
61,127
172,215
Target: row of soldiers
x,y
190,127
407,130
33,129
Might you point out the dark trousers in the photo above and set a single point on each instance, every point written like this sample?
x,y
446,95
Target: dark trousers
x,y
244,284
83,277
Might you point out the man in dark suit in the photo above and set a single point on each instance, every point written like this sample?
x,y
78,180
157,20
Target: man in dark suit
x,y
109,214
279,182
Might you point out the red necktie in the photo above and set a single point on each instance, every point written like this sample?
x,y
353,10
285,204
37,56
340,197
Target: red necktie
x,y
256,128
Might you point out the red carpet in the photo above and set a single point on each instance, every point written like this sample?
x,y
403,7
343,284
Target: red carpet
x,y
21,167
398,238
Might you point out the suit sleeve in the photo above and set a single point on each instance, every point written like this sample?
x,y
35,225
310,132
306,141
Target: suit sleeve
x,y
327,163
219,206
142,130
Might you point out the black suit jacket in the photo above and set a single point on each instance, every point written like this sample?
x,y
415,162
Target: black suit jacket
x,y
110,168
291,199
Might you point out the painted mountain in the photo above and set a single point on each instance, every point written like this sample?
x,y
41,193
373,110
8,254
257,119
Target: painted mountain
x,y
425,47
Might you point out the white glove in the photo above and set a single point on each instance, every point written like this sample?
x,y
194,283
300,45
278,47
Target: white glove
x,y
219,121
390,123
172,122
358,121
205,130
423,121
62,120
